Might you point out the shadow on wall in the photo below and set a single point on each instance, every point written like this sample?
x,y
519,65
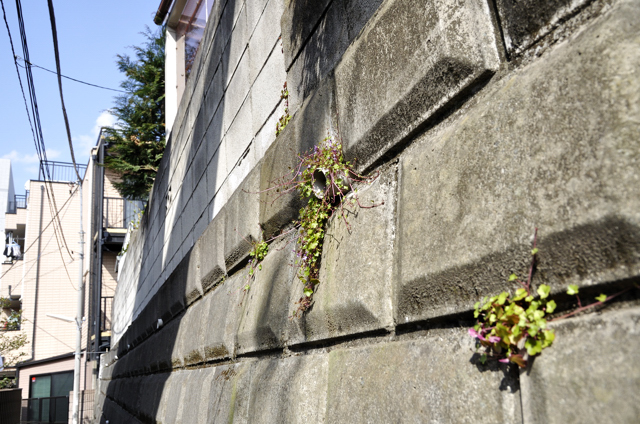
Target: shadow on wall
x,y
316,33
145,353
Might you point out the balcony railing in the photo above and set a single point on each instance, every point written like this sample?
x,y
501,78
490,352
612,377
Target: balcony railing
x,y
60,171
21,200
105,313
45,410
118,212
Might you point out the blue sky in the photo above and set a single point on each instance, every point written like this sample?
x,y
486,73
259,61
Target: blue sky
x,y
90,36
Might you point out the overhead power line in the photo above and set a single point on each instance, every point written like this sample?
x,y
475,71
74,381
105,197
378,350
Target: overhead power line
x,y
69,78
36,132
54,34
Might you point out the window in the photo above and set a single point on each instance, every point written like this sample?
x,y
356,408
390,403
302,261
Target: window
x,y
49,397
191,25
185,28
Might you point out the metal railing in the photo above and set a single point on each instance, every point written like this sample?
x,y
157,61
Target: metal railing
x,y
55,410
60,171
45,410
118,212
21,200
105,313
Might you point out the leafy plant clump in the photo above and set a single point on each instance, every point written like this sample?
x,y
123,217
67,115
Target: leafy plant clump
x,y
284,119
514,328
323,179
258,252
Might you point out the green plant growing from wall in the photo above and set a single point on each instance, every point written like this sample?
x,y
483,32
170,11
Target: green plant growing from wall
x,y
514,328
284,119
323,179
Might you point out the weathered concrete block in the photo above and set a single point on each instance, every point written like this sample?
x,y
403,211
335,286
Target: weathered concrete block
x,y
212,103
291,390
236,92
163,343
222,313
525,156
588,375
229,394
113,413
148,402
211,248
524,23
239,39
196,397
319,56
310,125
199,151
177,353
200,200
265,92
194,275
425,380
195,324
172,400
263,322
298,21
239,136
349,302
407,66
242,220
265,39
217,168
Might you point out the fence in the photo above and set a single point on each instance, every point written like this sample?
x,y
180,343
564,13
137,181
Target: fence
x,y
10,406
118,212
53,410
105,313
56,410
21,201
60,171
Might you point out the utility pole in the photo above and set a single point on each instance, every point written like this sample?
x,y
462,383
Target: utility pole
x,y
79,320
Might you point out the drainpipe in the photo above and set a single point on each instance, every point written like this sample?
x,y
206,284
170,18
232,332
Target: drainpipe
x,y
35,298
79,320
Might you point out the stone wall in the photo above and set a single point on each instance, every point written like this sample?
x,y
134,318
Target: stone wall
x,y
483,120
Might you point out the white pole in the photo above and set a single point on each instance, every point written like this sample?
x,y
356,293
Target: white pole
x,y
78,356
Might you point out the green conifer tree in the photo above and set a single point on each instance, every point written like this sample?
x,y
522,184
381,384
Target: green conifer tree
x,y
137,140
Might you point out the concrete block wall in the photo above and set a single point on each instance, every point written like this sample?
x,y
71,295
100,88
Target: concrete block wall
x,y
483,120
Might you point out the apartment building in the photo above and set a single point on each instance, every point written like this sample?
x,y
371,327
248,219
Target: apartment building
x,y
110,217
43,284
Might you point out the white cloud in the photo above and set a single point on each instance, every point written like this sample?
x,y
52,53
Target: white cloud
x,y
16,157
85,142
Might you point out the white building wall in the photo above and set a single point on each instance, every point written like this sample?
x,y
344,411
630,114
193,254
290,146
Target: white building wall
x,y
224,124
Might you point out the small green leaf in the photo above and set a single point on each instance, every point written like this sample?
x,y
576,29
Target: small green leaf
x,y
602,298
520,294
549,337
572,290
513,277
551,306
534,250
483,359
308,292
533,346
544,291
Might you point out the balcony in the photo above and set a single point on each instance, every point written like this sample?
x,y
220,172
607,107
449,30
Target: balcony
x,y
60,172
119,212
